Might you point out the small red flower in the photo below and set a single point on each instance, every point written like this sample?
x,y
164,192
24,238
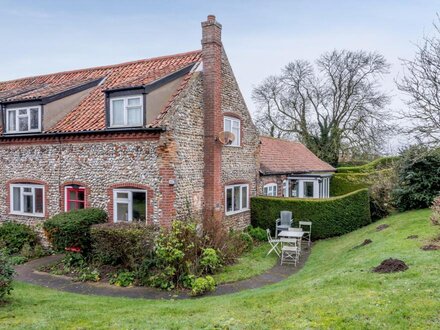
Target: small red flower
x,y
73,249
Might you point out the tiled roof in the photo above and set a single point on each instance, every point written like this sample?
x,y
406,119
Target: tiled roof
x,y
282,157
89,115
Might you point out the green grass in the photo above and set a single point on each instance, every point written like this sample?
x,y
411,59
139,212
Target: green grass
x,y
250,264
335,289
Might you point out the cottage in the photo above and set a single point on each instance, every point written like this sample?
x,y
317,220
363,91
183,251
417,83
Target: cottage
x,y
289,169
153,140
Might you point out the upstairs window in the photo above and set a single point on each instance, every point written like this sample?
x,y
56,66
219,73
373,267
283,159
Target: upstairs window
x,y
270,189
27,199
233,125
126,111
22,120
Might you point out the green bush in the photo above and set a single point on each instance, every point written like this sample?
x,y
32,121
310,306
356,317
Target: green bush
x,y
418,178
123,279
122,244
6,275
72,229
257,233
13,236
330,216
210,260
202,285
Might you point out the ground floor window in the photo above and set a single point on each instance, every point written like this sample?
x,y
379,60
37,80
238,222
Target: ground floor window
x,y
129,205
27,199
309,190
75,198
237,198
270,189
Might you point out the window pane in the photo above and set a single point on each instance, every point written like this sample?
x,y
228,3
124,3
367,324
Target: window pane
x,y
38,200
11,120
139,206
16,199
308,189
236,133
134,101
28,204
227,125
80,205
118,112
237,198
34,118
244,201
72,206
229,200
72,194
22,112
122,211
27,190
134,116
81,195
122,195
23,124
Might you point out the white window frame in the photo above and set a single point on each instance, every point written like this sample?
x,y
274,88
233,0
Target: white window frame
x,y
126,106
28,115
237,141
22,194
272,188
128,201
241,208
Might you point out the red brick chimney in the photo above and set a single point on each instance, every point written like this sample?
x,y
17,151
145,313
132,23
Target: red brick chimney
x,y
213,119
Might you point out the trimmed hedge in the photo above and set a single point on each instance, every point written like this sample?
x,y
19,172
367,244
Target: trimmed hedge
x,y
72,229
330,216
126,244
344,183
375,165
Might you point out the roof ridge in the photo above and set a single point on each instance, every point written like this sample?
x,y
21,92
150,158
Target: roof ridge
x,y
280,139
104,66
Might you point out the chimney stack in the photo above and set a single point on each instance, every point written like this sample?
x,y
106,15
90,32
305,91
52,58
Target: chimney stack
x,y
213,119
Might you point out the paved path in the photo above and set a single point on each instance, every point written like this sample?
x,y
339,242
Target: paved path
x,y
29,273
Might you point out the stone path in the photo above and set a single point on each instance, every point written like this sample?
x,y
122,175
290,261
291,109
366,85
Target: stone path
x,y
29,273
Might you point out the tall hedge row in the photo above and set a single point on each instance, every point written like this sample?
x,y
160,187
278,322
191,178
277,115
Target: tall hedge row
x,y
330,217
344,183
375,165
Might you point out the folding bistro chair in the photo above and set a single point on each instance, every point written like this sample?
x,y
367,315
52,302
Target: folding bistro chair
x,y
284,222
306,226
273,243
289,254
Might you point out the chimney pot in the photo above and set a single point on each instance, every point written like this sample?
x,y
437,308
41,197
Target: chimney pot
x,y
211,18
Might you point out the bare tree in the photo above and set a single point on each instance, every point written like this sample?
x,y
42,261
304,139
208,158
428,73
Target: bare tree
x,y
421,82
332,107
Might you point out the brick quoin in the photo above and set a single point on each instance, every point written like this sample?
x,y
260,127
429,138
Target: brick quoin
x,y
213,117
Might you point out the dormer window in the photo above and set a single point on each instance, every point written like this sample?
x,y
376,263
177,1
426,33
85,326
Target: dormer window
x,y
23,120
126,111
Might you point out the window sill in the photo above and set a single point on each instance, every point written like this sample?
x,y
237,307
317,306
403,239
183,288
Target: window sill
x,y
236,212
34,215
22,132
231,146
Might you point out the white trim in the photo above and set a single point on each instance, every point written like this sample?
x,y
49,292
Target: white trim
x,y
128,201
125,109
22,194
17,116
271,186
237,141
241,209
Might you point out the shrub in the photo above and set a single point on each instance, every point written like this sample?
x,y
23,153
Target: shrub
x,y
375,165
123,278
122,244
257,233
381,203
6,275
210,261
418,178
72,229
13,236
345,183
330,216
202,285
435,207
248,242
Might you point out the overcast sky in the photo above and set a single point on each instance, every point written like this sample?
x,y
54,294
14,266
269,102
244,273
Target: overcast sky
x,y
260,37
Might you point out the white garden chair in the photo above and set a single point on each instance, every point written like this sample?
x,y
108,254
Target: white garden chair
x,y
289,254
306,227
273,243
284,222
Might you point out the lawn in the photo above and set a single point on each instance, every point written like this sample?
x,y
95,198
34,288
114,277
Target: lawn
x,y
335,289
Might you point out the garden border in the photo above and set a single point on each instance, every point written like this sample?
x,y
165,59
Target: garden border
x,y
29,273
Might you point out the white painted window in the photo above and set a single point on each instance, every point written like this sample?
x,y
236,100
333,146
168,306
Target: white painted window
x,y
27,199
233,125
23,120
286,188
237,198
270,189
126,111
129,205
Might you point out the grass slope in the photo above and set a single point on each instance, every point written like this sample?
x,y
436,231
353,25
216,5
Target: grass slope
x,y
335,289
